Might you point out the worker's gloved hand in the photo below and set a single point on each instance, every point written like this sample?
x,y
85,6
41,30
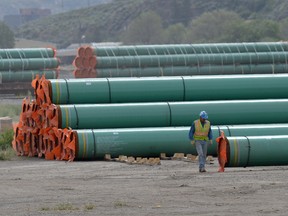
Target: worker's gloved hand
x,y
193,142
210,142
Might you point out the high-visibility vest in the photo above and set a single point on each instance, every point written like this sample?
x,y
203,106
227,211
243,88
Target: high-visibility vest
x,y
201,133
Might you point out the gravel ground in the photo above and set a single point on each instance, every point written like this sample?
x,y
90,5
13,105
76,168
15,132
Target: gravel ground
x,y
34,186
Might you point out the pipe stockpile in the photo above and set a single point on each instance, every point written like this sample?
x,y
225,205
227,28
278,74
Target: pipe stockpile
x,y
165,114
169,49
181,59
64,144
161,89
85,64
22,65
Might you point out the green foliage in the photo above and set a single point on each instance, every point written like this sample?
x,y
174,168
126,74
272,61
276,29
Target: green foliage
x,y
6,37
215,26
145,29
6,150
126,21
6,139
12,111
175,34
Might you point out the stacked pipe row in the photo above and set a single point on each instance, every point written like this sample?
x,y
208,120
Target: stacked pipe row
x,y
22,65
84,64
181,60
47,123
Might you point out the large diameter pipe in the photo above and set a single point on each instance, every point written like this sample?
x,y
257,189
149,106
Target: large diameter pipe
x,y
27,53
192,59
174,49
151,142
29,64
257,151
25,76
162,89
192,70
168,114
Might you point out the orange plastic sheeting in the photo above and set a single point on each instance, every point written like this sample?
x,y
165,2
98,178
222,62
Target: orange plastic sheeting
x,y
222,151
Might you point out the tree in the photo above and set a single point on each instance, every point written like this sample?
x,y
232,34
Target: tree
x,y
146,29
215,26
6,37
260,30
175,34
283,29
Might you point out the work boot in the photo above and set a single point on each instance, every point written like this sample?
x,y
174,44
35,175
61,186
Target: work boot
x,y
202,170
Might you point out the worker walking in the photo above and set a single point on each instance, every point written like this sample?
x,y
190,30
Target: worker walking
x,y
201,136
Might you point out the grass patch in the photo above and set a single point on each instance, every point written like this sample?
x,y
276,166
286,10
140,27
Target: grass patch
x,y
65,207
10,110
7,154
6,150
89,206
120,204
45,209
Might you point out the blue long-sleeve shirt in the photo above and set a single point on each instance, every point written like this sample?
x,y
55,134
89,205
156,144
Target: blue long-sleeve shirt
x,y
192,131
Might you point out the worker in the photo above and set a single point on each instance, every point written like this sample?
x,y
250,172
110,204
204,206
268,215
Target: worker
x,y
201,136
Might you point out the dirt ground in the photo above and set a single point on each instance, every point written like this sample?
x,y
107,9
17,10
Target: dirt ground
x,y
35,186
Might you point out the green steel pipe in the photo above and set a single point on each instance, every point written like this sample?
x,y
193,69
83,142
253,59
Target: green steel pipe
x,y
159,114
163,89
173,49
28,64
193,70
192,60
27,53
150,142
257,151
25,76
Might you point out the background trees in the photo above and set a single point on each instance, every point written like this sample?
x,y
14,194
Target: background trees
x,y
6,36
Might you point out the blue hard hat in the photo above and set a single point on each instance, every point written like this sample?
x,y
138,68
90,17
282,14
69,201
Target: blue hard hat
x,y
203,115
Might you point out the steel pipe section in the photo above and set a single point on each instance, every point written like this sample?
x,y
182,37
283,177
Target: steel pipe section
x,y
257,151
27,53
129,115
26,76
187,49
163,89
192,70
151,142
29,64
192,60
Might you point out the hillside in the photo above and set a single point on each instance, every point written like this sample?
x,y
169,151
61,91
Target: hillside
x,y
107,21
11,7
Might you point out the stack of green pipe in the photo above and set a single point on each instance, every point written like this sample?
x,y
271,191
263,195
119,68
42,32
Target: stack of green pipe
x,y
165,114
192,60
27,53
190,49
151,142
161,89
192,70
22,65
28,76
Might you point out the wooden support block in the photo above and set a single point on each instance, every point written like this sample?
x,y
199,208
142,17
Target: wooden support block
x,y
143,161
178,156
123,158
209,158
130,160
163,156
107,157
191,157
